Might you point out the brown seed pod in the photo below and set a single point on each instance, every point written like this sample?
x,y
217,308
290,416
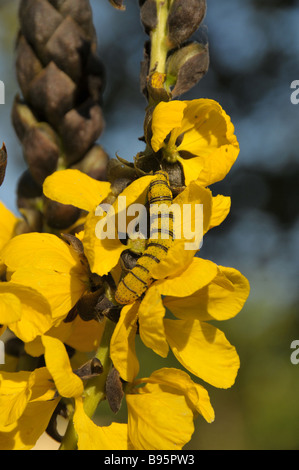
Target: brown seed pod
x,y
3,163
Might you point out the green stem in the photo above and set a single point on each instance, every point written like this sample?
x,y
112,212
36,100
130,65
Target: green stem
x,y
159,47
95,388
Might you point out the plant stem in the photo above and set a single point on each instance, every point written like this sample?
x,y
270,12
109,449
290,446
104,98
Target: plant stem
x,y
159,47
95,388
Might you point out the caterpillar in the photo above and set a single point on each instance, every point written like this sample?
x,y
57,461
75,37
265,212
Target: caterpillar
x,y
136,282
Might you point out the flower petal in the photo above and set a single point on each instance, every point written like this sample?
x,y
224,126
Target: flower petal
x,y
220,210
122,346
209,134
103,254
181,381
76,188
192,168
166,117
62,290
67,383
204,351
182,251
15,393
221,300
93,437
159,420
151,327
10,309
8,223
197,275
41,250
36,313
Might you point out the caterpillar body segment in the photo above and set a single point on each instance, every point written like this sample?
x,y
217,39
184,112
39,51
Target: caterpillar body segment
x,y
136,282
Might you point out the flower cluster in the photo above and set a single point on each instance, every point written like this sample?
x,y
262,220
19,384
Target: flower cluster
x,y
57,293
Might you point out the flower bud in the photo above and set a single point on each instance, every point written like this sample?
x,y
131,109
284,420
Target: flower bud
x,y
22,118
148,15
117,4
60,216
187,66
41,151
94,164
3,163
79,129
114,390
184,19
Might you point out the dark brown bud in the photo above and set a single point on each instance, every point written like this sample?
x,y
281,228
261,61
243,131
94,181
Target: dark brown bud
x,y
86,306
32,15
147,125
114,390
74,242
68,48
28,65
187,66
184,19
52,105
148,15
79,129
118,4
94,163
80,11
28,188
22,117
41,152
60,216
91,369
32,219
3,163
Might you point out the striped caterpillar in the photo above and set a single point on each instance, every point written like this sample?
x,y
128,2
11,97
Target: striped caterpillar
x,y
136,282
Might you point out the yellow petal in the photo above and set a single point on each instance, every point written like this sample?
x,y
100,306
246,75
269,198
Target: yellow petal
x,y
15,392
41,250
166,117
24,434
68,384
222,299
62,290
220,210
181,252
197,275
151,327
93,437
75,188
159,420
218,164
204,351
179,380
209,133
8,223
10,309
103,254
192,168
36,313
122,347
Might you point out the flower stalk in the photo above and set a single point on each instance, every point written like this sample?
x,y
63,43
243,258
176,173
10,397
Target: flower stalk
x,y
95,389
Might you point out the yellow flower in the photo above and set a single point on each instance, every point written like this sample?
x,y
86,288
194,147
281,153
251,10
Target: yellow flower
x,y
199,129
28,399
160,415
202,291
103,254
48,276
8,222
